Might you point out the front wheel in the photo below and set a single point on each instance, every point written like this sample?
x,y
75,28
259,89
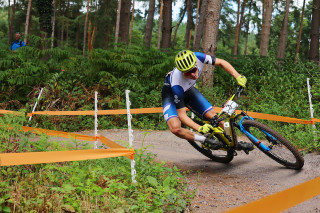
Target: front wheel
x,y
281,150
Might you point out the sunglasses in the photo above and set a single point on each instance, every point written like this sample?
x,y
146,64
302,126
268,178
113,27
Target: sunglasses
x,y
193,70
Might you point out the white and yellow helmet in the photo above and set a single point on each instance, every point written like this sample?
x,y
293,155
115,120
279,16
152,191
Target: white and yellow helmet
x,y
185,60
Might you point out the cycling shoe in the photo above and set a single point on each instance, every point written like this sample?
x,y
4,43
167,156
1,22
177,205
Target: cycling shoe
x,y
212,144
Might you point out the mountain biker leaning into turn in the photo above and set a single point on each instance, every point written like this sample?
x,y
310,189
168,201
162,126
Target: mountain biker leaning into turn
x,y
179,92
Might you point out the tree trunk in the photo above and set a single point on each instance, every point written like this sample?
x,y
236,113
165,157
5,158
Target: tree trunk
x,y
300,32
167,24
89,36
149,25
246,39
210,38
199,33
247,31
9,15
235,48
107,39
284,33
265,31
62,34
314,44
124,20
26,29
53,22
239,25
77,36
189,44
197,22
12,20
45,11
160,24
118,22
68,23
189,23
85,31
177,27
131,26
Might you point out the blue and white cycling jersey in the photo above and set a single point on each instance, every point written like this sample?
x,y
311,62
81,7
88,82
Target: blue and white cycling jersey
x,y
178,88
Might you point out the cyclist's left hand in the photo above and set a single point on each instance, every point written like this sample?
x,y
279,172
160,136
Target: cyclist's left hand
x,y
242,80
205,129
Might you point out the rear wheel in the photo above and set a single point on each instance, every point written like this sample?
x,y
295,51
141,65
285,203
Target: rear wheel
x,y
281,150
215,155
221,156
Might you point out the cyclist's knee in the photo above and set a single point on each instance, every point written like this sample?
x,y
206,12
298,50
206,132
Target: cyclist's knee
x,y
177,130
175,127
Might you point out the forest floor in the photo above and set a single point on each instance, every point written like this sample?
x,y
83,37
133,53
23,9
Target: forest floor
x,y
220,187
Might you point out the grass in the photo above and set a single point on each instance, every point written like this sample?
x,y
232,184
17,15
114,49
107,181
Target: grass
x,y
102,185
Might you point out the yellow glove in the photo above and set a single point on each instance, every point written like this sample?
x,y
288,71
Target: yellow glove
x,y
242,80
205,129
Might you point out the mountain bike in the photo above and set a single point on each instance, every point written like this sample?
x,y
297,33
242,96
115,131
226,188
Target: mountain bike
x,y
263,137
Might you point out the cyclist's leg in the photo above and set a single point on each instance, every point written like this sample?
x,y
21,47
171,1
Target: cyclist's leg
x,y
171,116
198,103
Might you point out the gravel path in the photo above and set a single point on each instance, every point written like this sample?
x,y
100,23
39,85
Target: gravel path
x,y
221,187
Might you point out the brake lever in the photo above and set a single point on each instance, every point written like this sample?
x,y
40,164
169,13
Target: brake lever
x,y
239,91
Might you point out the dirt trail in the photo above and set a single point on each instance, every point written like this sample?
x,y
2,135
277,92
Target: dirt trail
x,y
221,187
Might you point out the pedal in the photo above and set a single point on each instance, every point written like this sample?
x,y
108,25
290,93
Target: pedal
x,y
235,153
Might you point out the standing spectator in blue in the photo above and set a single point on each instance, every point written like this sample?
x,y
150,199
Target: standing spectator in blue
x,y
17,43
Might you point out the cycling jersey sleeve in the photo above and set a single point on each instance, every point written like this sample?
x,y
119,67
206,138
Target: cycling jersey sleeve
x,y
206,59
178,93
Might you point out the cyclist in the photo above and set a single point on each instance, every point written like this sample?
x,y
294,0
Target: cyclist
x,y
179,92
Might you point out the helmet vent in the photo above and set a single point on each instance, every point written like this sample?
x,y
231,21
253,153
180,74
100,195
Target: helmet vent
x,y
185,63
189,60
179,65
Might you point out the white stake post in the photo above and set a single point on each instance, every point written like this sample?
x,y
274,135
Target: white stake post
x,y
311,106
35,105
129,116
95,118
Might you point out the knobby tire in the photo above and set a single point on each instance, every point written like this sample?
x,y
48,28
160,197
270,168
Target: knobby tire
x,y
214,155
297,161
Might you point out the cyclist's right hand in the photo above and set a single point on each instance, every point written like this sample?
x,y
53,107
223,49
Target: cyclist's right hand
x,y
205,129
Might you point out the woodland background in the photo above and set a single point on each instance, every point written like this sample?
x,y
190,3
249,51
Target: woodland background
x,y
76,47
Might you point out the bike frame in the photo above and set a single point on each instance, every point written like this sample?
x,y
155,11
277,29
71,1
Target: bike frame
x,y
232,119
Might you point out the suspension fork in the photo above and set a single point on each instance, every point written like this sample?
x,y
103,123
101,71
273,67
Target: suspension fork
x,y
256,141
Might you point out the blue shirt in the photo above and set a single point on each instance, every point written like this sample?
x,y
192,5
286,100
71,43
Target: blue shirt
x,y
17,44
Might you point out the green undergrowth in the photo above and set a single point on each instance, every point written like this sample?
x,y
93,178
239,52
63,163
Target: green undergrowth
x,y
102,185
69,81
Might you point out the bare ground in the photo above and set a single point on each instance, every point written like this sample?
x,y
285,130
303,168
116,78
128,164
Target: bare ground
x,y
220,187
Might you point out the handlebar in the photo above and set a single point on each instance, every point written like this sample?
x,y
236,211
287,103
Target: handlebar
x,y
217,118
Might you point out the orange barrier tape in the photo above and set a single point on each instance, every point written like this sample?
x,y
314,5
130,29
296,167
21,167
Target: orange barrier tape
x,y
109,142
103,139
100,112
9,112
277,118
272,117
282,200
159,110
315,120
59,134
10,159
